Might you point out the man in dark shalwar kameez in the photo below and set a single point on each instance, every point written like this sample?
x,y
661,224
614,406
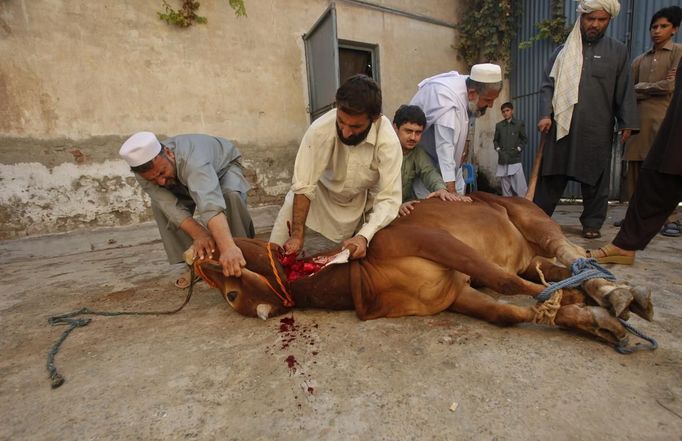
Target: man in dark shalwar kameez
x,y
658,190
586,86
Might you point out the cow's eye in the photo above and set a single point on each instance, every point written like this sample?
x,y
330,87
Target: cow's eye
x,y
231,296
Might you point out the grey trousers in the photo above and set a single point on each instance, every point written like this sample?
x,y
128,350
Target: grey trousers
x,y
514,185
175,241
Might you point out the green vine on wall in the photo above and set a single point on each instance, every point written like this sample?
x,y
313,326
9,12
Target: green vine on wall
x,y
187,15
487,31
554,28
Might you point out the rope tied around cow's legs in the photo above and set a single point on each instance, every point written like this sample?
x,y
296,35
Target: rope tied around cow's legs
x,y
586,269
73,322
545,313
582,270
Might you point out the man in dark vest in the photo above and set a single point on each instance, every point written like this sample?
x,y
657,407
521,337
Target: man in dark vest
x,y
585,88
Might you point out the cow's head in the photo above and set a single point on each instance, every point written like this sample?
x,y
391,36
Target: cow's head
x,y
257,293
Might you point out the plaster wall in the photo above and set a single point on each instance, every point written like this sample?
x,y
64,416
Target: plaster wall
x,y
418,50
78,77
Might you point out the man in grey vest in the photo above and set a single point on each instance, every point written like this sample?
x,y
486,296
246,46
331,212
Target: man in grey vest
x,y
193,174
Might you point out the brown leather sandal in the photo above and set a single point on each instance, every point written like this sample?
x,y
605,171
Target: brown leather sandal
x,y
608,254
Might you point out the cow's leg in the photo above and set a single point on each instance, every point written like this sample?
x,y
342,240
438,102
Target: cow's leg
x,y
474,303
441,247
591,319
551,272
539,229
620,298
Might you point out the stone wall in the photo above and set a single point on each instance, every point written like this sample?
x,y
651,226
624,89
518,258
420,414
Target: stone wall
x,y
77,78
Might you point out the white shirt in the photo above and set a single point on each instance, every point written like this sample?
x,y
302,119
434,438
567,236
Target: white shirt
x,y
345,182
443,98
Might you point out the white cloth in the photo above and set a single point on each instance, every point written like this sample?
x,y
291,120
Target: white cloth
x,y
348,186
610,6
443,98
568,65
508,169
512,179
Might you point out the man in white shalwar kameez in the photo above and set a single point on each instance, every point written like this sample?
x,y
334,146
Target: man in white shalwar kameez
x,y
449,100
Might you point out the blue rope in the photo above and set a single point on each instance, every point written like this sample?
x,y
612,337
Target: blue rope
x,y
621,347
586,269
582,269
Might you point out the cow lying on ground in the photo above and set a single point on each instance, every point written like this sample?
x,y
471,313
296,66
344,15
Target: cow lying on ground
x,y
436,259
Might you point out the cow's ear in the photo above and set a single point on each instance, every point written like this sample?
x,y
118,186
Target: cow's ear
x,y
211,271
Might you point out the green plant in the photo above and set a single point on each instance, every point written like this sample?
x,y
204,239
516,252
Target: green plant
x,y
487,31
554,28
239,8
186,15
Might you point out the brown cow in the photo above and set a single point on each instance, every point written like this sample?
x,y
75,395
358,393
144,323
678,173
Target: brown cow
x,y
436,259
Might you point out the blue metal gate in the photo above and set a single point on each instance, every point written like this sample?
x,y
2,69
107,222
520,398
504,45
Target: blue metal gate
x,y
631,27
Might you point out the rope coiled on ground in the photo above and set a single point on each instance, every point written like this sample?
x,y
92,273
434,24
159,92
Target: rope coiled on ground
x,y
70,319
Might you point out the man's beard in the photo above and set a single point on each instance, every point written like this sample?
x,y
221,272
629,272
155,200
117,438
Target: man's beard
x,y
353,139
591,38
171,183
475,111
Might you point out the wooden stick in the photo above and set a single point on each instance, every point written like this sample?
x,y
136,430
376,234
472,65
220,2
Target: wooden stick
x,y
535,171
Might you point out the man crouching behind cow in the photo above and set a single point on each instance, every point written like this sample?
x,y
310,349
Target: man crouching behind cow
x,y
409,122
346,181
189,173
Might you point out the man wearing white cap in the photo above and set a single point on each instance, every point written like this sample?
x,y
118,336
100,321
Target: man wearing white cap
x,y
449,100
585,88
189,173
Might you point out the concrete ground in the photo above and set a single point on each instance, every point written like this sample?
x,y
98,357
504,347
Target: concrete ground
x,y
208,373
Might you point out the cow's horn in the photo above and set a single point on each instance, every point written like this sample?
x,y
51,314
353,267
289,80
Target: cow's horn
x,y
263,311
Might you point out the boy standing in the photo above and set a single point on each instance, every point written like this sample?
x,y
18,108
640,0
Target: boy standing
x,y
510,139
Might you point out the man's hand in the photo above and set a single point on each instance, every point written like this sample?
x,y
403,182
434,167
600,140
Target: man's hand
x,y
293,246
450,186
625,135
204,246
545,124
445,195
671,74
232,261
407,207
357,245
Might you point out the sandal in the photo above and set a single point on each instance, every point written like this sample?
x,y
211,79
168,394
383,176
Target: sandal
x,y
607,254
671,229
591,233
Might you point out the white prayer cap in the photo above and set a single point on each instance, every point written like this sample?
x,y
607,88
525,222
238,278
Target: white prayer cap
x,y
140,148
486,73
612,7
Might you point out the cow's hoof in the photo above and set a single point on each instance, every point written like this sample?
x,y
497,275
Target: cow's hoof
x,y
607,326
642,305
619,300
